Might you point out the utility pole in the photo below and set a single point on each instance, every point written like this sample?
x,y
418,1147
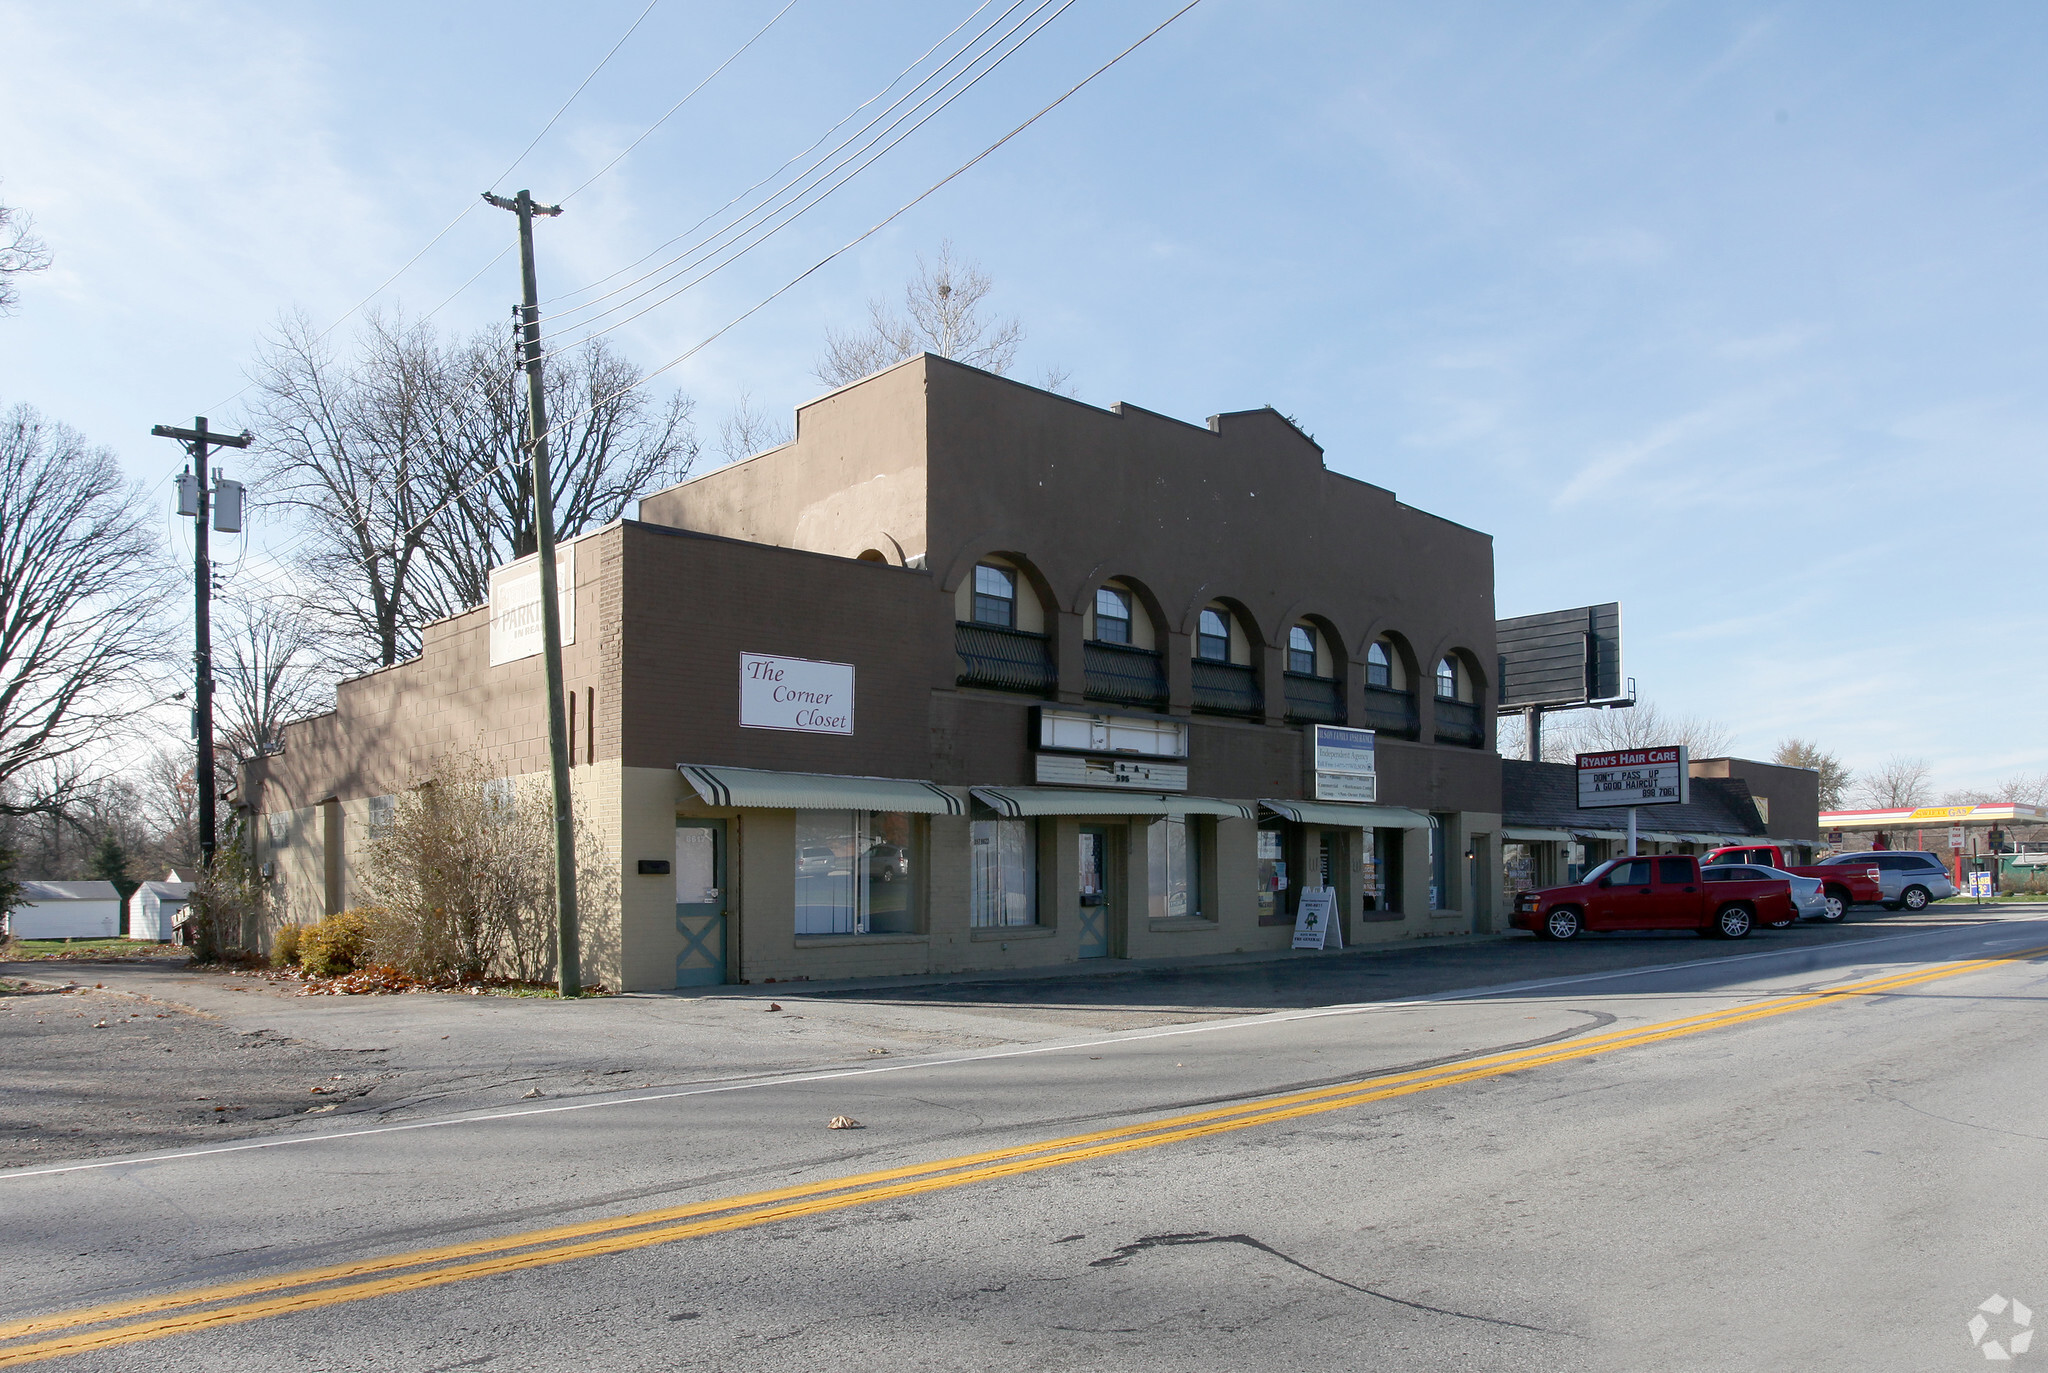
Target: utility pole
x,y
193,501
568,953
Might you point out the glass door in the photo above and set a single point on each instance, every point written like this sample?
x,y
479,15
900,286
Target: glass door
x,y
1095,892
700,902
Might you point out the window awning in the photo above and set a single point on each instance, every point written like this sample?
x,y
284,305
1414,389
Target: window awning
x,y
1014,802
1517,835
721,786
1339,813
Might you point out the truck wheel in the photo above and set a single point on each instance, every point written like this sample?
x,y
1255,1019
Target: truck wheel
x,y
1914,898
1562,924
1838,905
1732,922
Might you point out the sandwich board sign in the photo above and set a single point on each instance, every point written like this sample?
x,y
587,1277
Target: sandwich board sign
x,y
1634,777
1315,920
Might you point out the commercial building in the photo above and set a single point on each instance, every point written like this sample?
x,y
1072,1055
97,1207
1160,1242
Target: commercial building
x,y
969,675
1549,840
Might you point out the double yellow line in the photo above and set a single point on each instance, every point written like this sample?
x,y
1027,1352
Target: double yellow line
x,y
178,1313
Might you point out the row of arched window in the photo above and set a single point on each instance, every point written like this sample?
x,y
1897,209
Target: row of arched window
x,y
1003,643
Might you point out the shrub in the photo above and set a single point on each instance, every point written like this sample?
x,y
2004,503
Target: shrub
x,y
284,946
336,945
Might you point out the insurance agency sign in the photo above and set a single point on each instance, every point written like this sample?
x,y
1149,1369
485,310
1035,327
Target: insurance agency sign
x,y
1634,777
797,694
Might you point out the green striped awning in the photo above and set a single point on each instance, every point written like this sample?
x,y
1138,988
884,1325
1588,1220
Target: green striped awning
x,y
723,786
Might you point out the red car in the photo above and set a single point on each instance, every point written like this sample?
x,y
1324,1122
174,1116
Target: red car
x,y
1659,893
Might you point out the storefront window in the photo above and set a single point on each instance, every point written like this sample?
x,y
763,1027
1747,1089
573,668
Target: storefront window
x,y
1173,860
1517,871
856,872
1272,877
1383,870
1005,872
1439,865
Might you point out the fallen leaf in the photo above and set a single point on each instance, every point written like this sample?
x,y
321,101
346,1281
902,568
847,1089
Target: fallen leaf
x,y
317,1110
532,1094
774,1005
844,1123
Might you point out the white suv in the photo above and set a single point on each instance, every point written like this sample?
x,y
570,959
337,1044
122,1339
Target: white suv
x,y
1910,878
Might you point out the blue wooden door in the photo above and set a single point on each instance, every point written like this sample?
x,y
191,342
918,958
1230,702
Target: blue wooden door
x,y
700,871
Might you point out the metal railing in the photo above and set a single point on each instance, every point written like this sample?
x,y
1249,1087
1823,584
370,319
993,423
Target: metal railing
x,y
1458,722
1005,659
1391,712
1227,688
1313,700
1118,672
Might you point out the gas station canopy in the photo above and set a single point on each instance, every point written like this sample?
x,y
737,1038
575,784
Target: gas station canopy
x,y
2001,814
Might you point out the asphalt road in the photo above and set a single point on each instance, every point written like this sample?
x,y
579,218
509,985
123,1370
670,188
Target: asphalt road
x,y
1814,1153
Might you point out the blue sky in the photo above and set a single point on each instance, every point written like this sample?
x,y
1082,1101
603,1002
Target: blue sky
x,y
1730,312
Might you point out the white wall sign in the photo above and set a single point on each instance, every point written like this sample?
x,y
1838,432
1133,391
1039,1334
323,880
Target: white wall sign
x,y
515,604
1634,777
1345,764
795,694
1345,786
1315,920
1090,732
1140,775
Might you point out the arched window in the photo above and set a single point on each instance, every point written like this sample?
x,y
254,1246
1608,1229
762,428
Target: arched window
x,y
995,596
1212,636
1301,650
1447,679
1379,667
1112,615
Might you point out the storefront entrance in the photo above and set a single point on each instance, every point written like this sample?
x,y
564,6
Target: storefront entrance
x,y
700,902
1099,907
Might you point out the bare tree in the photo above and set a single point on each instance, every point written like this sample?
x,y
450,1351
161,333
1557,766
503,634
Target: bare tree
x,y
22,250
943,315
1640,726
270,670
607,445
355,473
406,465
747,431
81,598
1835,775
1896,783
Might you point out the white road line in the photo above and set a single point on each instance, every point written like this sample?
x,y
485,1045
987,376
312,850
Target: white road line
x,y
984,1056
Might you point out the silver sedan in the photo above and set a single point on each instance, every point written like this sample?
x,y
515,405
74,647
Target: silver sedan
x,y
1808,903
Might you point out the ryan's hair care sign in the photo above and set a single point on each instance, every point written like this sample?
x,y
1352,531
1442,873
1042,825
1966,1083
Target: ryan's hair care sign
x,y
796,694
1634,777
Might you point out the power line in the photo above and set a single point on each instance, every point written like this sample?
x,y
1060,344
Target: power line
x,y
801,153
737,53
471,205
880,224
763,234
793,282
579,90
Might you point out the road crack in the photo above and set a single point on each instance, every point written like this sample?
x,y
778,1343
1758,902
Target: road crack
x,y
1123,1255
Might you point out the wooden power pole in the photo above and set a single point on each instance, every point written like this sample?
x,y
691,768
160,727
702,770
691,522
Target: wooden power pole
x,y
193,500
570,962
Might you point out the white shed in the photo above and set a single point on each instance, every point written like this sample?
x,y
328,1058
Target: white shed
x,y
67,910
156,908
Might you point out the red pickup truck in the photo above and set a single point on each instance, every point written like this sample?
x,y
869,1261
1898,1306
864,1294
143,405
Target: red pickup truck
x,y
1843,885
1664,892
